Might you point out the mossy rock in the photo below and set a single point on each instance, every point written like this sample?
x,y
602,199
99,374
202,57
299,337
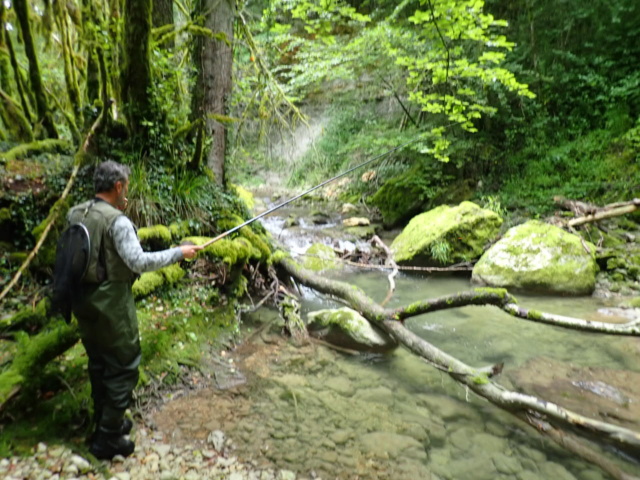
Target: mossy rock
x,y
147,283
399,198
320,257
231,252
364,231
539,257
465,229
156,234
245,195
347,328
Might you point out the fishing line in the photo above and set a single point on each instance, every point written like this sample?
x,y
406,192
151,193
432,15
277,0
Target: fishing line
x,y
287,202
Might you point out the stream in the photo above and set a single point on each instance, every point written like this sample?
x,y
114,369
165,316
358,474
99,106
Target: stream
x,y
328,414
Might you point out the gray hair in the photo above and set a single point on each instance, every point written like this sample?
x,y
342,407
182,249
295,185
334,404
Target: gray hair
x,y
107,174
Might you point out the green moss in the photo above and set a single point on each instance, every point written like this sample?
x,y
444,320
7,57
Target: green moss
x,y
539,257
172,273
635,302
29,149
245,195
157,232
466,228
235,251
147,283
320,257
278,256
481,379
501,293
28,316
5,214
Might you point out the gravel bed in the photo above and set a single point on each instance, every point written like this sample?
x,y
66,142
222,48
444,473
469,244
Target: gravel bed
x,y
153,459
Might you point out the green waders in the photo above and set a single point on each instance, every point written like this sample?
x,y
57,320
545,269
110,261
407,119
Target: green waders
x,y
109,332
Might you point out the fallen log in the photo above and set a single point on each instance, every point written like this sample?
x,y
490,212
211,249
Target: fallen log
x,y
527,408
34,353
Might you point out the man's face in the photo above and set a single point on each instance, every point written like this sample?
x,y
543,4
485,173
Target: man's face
x,y
122,189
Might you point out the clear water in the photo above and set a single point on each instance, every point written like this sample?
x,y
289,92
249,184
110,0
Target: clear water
x,y
333,415
327,414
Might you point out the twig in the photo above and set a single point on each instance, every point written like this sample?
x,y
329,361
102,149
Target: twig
x,y
55,211
389,262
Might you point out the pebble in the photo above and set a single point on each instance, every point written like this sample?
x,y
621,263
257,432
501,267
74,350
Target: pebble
x,y
150,461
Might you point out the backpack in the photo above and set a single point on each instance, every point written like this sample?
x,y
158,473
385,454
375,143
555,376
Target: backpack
x,y
72,260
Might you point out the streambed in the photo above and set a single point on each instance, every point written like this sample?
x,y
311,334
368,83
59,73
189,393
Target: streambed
x,y
327,414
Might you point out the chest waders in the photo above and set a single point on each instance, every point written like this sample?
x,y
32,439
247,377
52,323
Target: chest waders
x,y
108,324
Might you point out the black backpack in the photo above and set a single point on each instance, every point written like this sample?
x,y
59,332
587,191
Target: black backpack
x,y
72,261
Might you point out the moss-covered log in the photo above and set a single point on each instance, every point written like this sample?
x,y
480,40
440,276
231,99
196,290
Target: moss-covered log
x,y
528,408
29,317
34,353
35,148
44,114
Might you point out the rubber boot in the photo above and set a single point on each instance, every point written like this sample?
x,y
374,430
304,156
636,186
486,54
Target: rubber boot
x,y
109,440
125,428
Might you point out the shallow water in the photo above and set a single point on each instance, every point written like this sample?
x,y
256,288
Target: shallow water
x,y
328,414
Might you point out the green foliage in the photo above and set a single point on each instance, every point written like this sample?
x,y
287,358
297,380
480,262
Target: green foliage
x,y
595,168
440,251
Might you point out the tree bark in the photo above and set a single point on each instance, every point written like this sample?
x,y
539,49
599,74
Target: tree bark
x,y
213,60
44,114
528,408
135,80
163,15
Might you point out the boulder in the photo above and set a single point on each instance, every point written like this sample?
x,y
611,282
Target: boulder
x,y
320,257
446,235
347,328
536,256
356,222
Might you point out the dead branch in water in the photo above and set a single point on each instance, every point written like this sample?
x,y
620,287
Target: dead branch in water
x,y
528,408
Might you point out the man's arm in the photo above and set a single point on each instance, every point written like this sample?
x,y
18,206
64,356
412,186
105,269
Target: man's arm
x,y
129,248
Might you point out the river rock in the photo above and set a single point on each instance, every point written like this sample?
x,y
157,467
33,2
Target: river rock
x,y
390,445
536,256
356,222
347,328
320,257
462,232
602,393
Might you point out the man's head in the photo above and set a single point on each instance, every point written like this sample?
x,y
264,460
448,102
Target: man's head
x,y
111,182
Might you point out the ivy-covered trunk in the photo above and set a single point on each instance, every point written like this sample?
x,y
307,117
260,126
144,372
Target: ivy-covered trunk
x,y
213,59
136,72
44,114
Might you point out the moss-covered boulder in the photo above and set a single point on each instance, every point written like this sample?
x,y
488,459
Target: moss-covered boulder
x,y
157,233
320,257
347,328
446,235
539,257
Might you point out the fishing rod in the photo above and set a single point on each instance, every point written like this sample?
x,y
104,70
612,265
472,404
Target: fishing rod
x,y
287,202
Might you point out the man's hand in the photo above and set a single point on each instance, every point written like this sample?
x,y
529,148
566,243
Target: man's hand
x,y
190,251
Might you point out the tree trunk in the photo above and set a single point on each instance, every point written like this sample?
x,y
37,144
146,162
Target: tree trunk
x,y
5,62
163,15
135,80
213,59
532,410
44,114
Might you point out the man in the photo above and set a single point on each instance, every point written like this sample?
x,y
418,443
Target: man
x,y
105,306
